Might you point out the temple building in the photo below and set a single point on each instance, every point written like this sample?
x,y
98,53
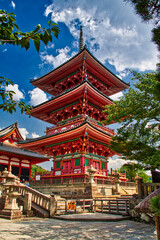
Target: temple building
x,y
21,160
77,139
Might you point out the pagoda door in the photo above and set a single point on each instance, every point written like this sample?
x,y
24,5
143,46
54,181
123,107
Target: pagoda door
x,y
96,165
67,166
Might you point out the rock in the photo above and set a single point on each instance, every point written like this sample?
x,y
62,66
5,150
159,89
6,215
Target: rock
x,y
146,218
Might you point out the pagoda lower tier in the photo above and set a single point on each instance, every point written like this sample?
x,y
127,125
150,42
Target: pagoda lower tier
x,y
75,147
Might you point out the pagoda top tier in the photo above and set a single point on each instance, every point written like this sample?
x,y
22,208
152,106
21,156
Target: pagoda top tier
x,y
82,66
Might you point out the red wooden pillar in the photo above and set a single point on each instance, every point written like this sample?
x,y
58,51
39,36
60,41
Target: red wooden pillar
x,y
106,166
82,163
100,165
62,166
91,162
30,168
9,161
19,173
72,163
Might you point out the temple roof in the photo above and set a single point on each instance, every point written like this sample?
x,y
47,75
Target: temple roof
x,y
11,135
14,150
92,65
94,131
8,131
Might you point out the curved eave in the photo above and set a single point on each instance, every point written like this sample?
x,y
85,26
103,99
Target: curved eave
x,y
61,72
45,78
8,131
20,153
107,71
94,132
73,93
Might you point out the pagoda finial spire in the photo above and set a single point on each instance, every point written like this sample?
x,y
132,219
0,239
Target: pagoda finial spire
x,y
81,39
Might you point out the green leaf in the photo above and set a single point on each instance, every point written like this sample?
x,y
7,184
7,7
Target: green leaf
x,y
49,22
37,44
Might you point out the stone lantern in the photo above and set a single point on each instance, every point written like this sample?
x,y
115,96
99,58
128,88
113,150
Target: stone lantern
x,y
117,181
10,185
91,172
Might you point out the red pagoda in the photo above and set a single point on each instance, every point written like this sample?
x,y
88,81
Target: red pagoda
x,y
80,89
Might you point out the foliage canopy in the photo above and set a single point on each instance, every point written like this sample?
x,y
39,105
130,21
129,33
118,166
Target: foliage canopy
x,y
37,168
139,113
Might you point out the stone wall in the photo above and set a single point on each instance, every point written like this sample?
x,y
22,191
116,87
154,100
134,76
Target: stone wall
x,y
82,190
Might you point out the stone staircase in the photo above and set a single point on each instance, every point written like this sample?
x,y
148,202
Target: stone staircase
x,y
36,210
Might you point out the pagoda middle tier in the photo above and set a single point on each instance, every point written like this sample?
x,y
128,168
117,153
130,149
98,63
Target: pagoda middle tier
x,y
82,100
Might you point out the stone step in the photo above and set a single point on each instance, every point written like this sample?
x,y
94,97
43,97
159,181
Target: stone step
x,y
37,210
126,196
40,212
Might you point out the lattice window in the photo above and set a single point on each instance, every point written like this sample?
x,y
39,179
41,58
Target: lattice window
x,y
58,164
86,162
103,165
77,162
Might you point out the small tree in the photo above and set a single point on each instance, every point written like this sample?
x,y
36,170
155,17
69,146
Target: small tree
x,y
131,169
39,169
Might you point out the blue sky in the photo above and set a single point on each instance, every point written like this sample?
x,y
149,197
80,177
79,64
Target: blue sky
x,y
112,33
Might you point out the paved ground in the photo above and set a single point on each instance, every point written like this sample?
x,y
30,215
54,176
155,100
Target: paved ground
x,y
98,217
45,229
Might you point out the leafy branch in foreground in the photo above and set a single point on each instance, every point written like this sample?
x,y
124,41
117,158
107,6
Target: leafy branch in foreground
x,y
10,33
8,103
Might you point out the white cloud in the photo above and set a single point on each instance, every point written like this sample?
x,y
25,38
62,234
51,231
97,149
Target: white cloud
x,y
35,135
115,163
49,45
18,94
37,96
116,96
112,32
5,50
63,55
23,132
13,4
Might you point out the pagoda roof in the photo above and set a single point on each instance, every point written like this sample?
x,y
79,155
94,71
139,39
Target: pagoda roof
x,y
93,95
13,150
72,65
8,137
10,130
95,132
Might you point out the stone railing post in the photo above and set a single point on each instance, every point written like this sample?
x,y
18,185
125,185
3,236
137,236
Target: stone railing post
x,y
27,201
138,183
28,204
52,206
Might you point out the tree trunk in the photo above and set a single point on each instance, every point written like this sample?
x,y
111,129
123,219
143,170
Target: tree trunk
x,y
157,222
